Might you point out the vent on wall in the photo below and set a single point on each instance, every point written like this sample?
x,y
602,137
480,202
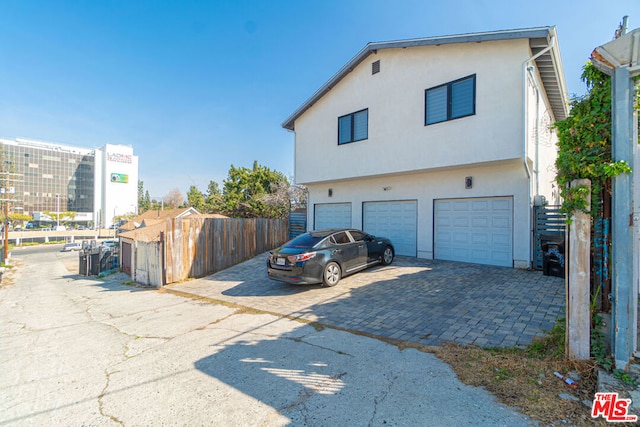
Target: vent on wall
x,y
375,67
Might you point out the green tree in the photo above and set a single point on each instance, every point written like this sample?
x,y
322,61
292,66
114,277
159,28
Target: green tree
x,y
147,200
144,201
16,219
65,217
214,200
244,191
156,205
196,199
584,142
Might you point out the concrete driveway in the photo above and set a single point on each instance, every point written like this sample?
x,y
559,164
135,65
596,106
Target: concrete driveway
x,y
421,301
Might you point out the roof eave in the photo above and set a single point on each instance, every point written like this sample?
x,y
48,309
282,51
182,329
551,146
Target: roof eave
x,y
373,47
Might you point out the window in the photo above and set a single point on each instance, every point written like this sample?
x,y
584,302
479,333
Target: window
x,y
341,238
450,101
358,236
353,127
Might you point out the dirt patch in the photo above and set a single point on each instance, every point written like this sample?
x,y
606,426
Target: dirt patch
x,y
527,383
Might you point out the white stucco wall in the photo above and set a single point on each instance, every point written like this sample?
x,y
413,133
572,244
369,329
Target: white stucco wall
x,y
398,139
426,163
541,141
425,187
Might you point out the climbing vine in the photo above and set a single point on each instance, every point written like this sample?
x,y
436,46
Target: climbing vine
x,y
584,142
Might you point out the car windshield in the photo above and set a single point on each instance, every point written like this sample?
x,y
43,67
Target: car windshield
x,y
304,241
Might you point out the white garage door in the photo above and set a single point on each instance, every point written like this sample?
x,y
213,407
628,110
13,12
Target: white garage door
x,y
332,215
475,230
395,220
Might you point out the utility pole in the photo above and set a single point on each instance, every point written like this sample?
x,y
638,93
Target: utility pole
x,y
620,60
6,190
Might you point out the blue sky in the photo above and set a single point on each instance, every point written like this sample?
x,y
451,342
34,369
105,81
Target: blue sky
x,y
195,86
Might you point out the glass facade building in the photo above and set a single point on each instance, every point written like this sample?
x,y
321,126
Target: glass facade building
x,y
40,176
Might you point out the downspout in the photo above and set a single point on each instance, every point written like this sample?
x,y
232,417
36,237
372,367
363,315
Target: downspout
x,y
525,142
525,67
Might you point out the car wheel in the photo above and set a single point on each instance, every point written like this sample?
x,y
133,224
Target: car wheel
x,y
387,255
331,275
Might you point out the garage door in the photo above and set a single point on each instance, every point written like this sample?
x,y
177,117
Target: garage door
x,y
395,220
474,230
332,215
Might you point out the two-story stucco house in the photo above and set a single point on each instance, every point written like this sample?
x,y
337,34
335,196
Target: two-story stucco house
x,y
442,144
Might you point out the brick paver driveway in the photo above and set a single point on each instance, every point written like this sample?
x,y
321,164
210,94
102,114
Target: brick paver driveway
x,y
422,301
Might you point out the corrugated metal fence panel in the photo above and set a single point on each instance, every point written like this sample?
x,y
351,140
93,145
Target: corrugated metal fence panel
x,y
297,223
547,220
148,263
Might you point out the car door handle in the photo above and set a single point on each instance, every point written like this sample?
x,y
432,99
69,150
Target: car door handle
x,y
361,246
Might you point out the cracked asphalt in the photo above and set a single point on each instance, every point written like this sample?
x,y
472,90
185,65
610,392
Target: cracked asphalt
x,y
79,351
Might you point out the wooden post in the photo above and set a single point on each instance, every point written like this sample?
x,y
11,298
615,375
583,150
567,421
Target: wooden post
x,y
578,282
578,285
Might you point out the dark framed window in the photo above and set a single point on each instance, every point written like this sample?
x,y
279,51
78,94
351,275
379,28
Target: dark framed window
x,y
358,236
450,101
353,127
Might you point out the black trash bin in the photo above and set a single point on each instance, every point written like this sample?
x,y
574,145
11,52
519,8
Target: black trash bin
x,y
553,254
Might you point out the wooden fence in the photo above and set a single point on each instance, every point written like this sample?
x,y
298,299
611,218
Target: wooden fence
x,y
196,247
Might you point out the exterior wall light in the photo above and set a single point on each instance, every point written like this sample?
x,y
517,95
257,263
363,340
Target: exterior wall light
x,y
468,182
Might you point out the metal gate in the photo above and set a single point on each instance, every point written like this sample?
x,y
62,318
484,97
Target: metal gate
x,y
297,223
547,220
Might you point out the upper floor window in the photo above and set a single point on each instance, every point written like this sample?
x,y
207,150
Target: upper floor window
x,y
451,100
353,127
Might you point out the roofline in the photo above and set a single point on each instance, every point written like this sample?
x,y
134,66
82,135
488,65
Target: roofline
x,y
526,33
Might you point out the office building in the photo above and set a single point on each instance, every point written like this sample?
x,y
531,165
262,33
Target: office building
x,y
41,179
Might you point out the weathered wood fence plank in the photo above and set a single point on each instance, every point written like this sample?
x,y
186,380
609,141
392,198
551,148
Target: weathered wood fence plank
x,y
196,247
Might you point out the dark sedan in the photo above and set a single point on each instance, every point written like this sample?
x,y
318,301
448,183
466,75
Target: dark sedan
x,y
325,256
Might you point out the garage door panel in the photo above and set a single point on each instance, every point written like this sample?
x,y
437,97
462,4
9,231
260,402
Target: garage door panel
x,y
479,206
503,240
460,222
332,215
395,220
443,221
479,239
483,256
504,205
480,222
443,237
500,258
501,222
461,238
461,206
474,230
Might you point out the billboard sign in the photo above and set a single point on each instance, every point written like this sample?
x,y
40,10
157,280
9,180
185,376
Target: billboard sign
x,y
120,177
